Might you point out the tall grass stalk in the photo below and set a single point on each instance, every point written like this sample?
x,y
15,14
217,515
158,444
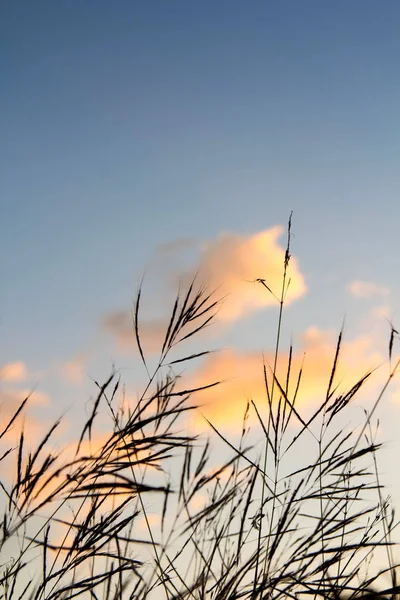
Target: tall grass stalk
x,y
254,526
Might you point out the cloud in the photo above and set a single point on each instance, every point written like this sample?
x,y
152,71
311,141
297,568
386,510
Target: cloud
x,y
28,419
73,370
380,312
243,380
13,372
366,289
229,264
11,398
232,262
153,519
120,325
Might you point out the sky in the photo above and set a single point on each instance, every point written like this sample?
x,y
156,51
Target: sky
x,y
169,137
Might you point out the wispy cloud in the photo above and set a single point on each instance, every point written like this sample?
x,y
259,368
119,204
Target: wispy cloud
x,y
120,325
366,289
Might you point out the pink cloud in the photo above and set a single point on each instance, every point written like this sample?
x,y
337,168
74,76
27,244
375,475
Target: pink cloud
x,y
366,289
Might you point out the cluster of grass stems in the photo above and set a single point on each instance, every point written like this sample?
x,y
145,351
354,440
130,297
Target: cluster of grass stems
x,y
82,524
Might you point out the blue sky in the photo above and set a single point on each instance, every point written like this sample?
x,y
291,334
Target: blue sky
x,y
168,135
129,125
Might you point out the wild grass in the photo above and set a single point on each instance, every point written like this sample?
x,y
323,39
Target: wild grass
x,y
305,517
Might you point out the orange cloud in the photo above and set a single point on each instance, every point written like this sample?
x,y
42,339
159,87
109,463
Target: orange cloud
x,y
10,400
366,289
27,420
243,380
231,262
13,372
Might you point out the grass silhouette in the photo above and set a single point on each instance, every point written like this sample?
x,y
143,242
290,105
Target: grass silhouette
x,y
268,525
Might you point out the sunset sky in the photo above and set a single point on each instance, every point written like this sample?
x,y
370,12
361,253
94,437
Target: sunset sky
x,y
166,137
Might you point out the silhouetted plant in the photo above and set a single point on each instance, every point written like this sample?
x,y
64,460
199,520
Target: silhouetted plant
x,y
263,530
